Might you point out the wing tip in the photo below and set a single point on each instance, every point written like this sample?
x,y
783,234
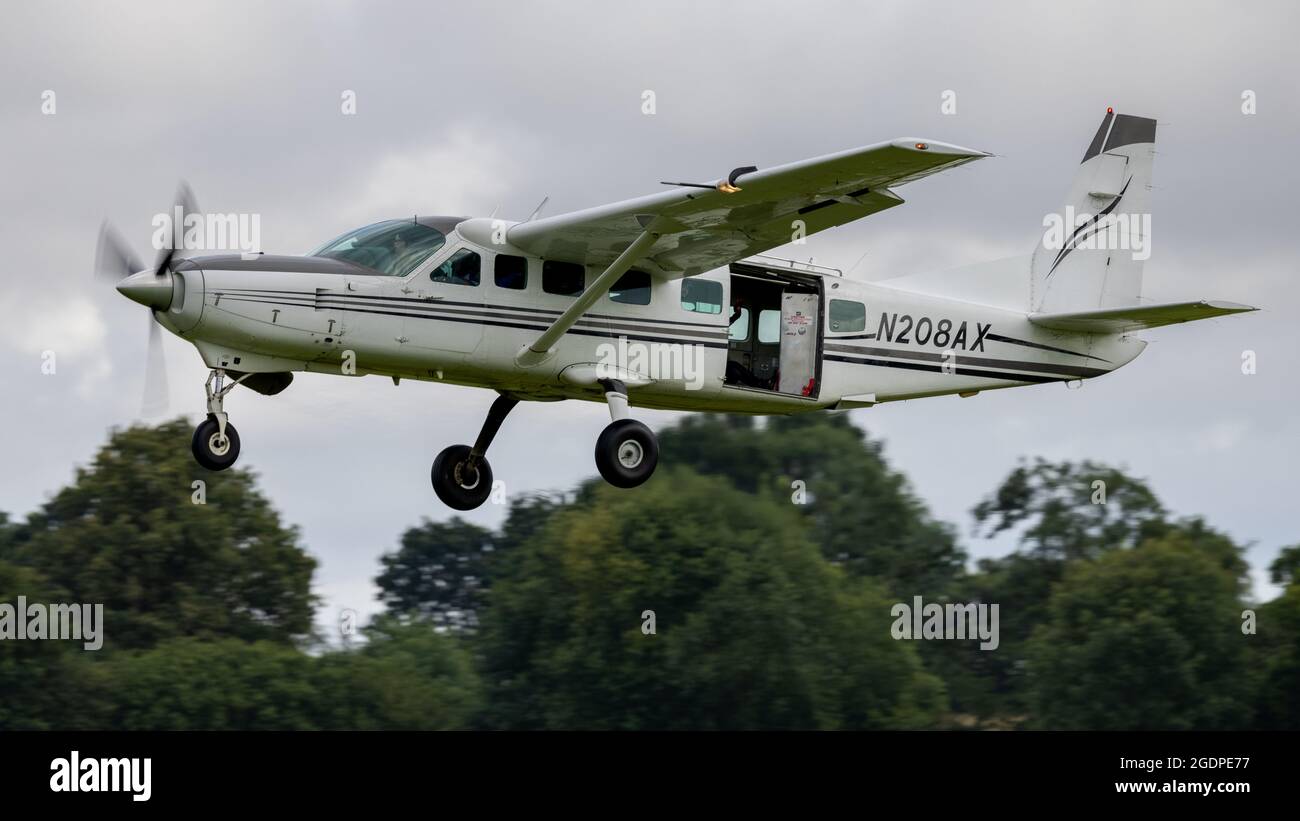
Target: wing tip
x,y
1230,307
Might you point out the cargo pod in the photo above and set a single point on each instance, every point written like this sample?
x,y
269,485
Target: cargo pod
x,y
775,338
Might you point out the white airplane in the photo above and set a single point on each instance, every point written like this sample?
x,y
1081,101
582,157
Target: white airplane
x,y
663,302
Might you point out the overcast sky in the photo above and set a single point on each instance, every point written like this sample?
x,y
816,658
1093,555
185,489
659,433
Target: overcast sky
x,y
461,108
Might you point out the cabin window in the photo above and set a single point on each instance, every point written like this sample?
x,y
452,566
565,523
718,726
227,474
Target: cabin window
x,y
739,330
510,272
769,327
633,288
461,268
703,296
563,278
848,316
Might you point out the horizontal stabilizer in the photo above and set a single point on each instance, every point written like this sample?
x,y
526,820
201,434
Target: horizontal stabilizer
x,y
1136,317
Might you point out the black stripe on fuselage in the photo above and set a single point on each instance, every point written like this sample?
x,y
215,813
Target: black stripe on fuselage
x,y
483,305
978,361
473,308
1013,341
609,333
437,309
920,366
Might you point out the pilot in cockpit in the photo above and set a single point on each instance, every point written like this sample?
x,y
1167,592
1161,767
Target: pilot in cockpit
x,y
399,248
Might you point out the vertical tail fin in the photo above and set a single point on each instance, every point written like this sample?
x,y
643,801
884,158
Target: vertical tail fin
x,y
1092,252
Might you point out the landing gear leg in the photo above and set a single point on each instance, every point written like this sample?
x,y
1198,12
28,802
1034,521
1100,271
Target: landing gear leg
x,y
461,475
627,451
216,442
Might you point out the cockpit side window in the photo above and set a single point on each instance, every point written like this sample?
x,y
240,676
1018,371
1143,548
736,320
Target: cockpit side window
x,y
461,268
393,248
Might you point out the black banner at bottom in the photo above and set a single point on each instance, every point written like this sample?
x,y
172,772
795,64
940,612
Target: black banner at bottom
x,y
211,770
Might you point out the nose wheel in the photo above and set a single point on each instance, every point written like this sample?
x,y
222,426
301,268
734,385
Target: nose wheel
x,y
213,449
216,442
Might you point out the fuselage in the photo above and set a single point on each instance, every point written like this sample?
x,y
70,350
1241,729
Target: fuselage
x,y
833,342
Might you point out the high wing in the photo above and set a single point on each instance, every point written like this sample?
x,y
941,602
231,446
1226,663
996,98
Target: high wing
x,y
697,229
1137,317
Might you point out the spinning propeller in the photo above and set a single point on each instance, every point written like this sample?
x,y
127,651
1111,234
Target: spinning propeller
x,y
152,288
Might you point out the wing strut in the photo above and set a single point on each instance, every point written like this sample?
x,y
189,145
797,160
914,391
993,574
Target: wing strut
x,y
541,348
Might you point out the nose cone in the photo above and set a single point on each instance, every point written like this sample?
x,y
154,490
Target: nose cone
x,y
149,289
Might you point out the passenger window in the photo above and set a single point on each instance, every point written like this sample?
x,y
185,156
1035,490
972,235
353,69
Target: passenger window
x,y
461,268
633,288
703,296
739,330
769,326
848,316
510,272
563,278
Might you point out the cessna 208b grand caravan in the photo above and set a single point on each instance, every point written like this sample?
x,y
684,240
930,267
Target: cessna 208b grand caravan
x,y
532,309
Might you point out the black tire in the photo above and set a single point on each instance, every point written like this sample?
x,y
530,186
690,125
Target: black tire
x,y
626,453
452,480
207,449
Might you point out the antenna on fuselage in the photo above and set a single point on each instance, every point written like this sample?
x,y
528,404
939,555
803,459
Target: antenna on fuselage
x,y
538,209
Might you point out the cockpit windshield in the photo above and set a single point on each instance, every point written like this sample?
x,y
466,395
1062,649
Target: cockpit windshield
x,y
393,248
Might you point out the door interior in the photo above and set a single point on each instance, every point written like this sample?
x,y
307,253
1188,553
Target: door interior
x,y
775,326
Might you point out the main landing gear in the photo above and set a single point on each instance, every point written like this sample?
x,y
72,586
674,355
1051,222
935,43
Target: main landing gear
x,y
626,453
461,475
216,442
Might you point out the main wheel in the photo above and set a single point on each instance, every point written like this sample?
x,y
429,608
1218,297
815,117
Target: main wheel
x,y
457,484
626,453
210,449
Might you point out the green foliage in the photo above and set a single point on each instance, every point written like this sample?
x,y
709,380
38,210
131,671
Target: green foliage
x,y
767,613
1285,569
1058,503
35,676
753,627
404,678
1142,639
1276,661
128,535
863,515
439,574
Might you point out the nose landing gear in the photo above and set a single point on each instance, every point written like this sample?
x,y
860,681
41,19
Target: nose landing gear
x,y
216,442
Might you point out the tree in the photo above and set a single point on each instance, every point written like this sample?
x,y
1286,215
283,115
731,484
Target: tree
x,y
406,677
1285,569
691,604
1142,639
863,515
1276,661
1066,513
39,679
129,534
439,573
1070,510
